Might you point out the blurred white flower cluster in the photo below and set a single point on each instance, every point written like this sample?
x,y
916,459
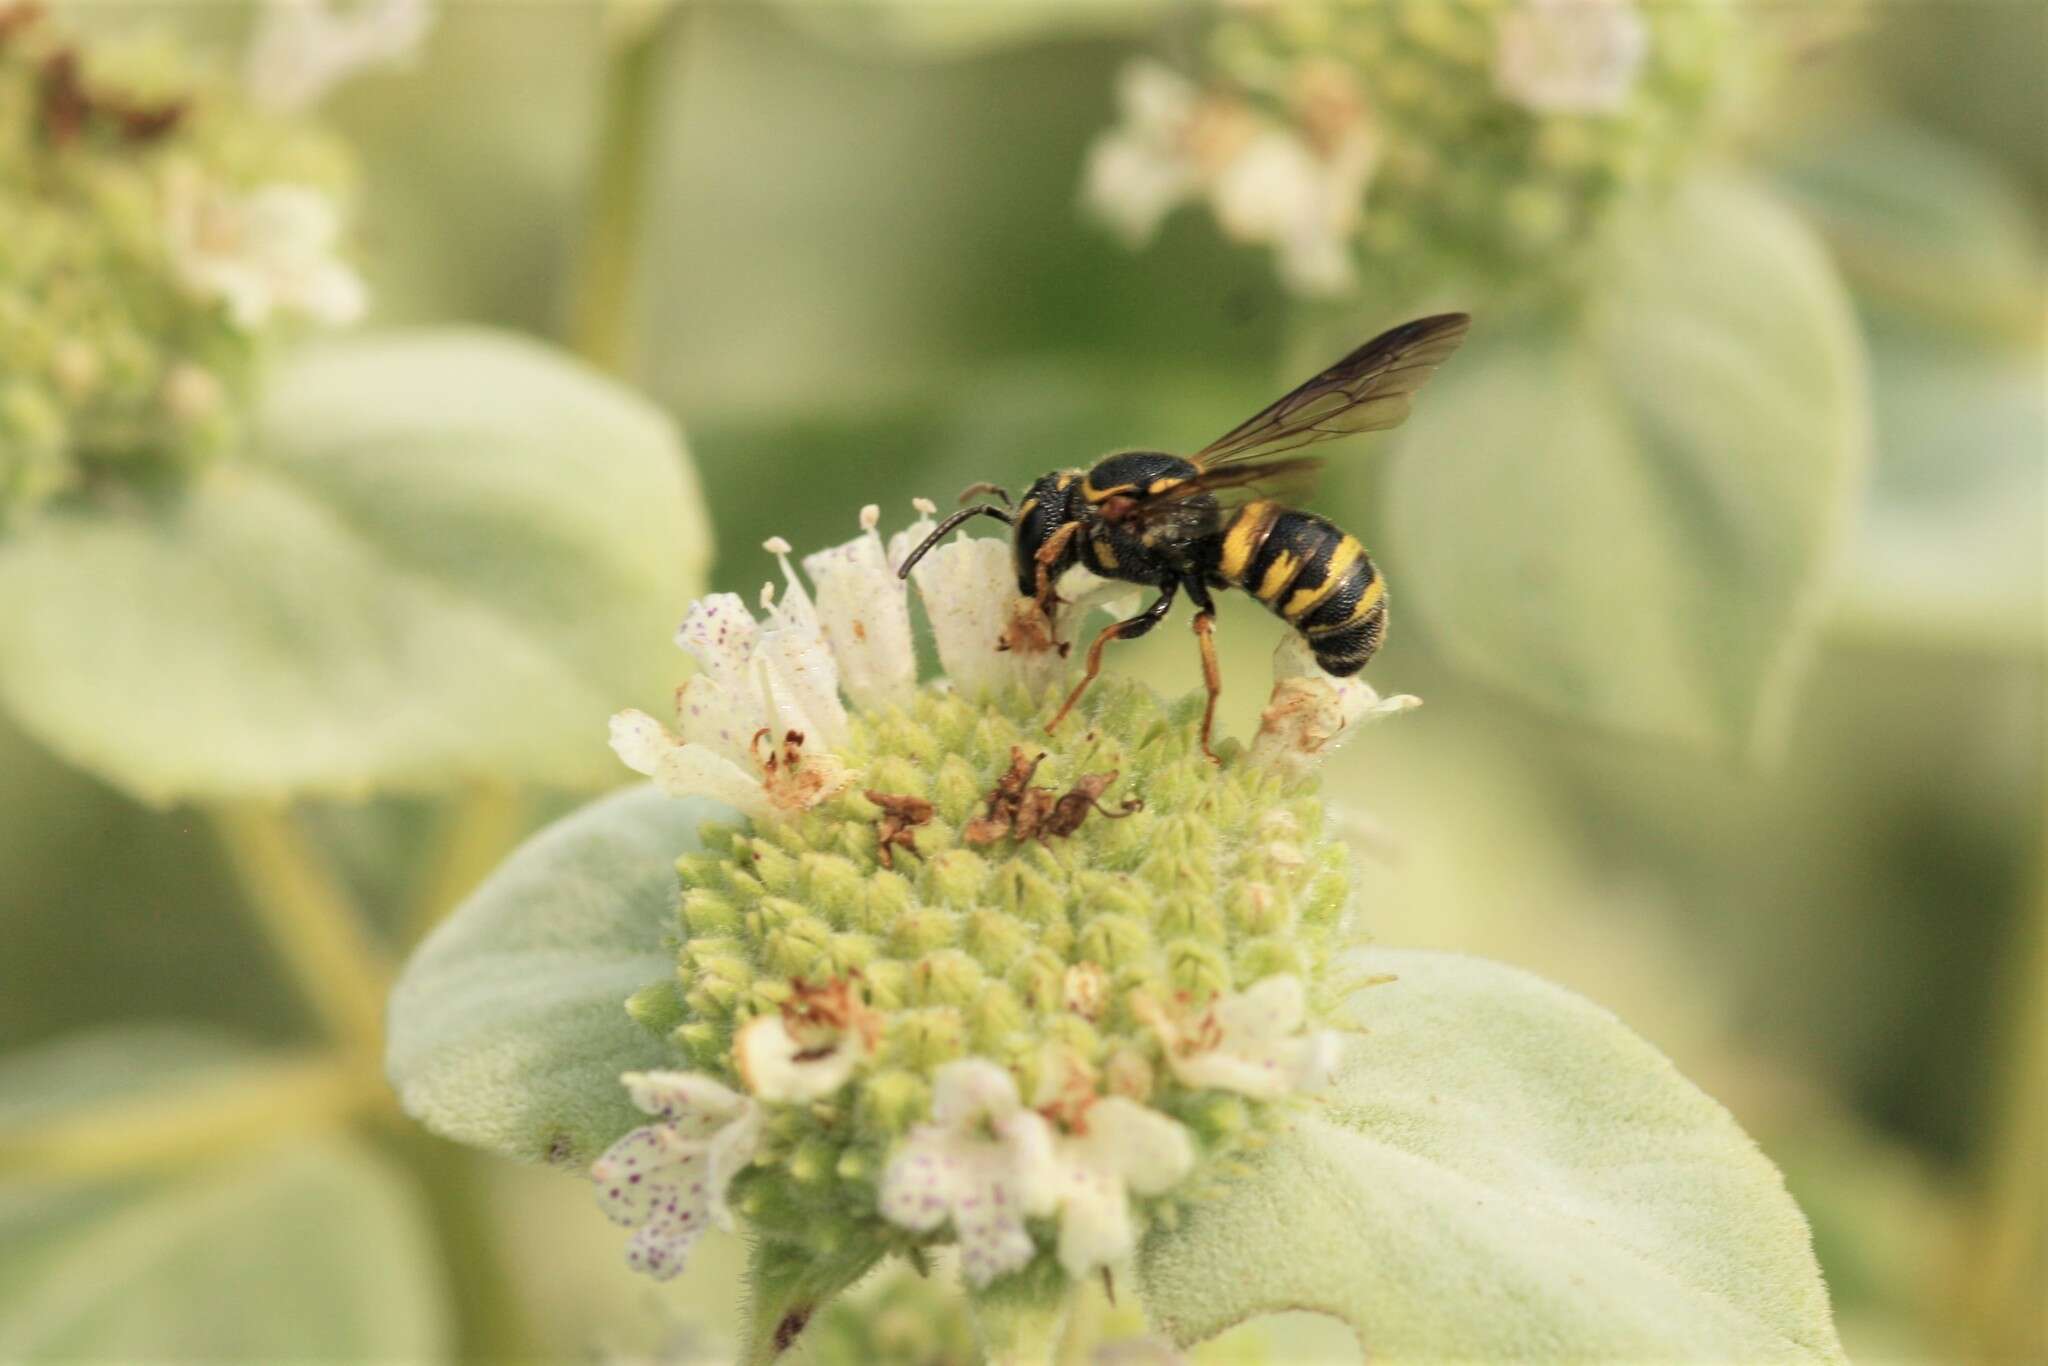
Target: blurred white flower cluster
x,y
1457,137
164,229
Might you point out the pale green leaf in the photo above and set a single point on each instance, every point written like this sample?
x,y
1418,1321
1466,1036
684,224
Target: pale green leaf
x,y
508,1029
446,555
240,1249
1632,517
1920,221
312,1251
1504,1173
1948,552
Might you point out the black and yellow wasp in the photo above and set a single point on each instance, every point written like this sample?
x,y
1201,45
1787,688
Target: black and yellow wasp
x,y
1151,518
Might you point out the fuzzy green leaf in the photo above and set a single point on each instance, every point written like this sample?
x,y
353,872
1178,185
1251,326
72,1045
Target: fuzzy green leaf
x,y
446,555
508,1028
294,1250
1632,517
1504,1172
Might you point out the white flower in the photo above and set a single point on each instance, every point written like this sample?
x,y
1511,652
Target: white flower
x,y
866,616
759,720
1571,56
670,1177
1298,189
808,1049
988,637
757,726
1122,1147
1143,169
267,252
776,1066
1310,712
984,1162
304,48
1251,1042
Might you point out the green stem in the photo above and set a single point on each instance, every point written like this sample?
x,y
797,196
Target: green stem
x,y
1021,1320
305,1094
490,1319
786,1287
2008,1251
601,324
309,920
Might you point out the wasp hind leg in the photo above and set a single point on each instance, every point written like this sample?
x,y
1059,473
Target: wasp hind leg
x,y
1212,675
1130,629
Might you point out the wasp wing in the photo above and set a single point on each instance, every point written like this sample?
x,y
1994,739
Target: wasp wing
x,y
1367,391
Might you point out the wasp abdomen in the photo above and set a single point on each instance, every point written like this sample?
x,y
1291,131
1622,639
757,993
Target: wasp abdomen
x,y
1311,574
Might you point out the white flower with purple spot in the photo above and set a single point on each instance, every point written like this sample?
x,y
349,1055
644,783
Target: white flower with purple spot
x,y
1121,1147
1253,1042
670,1177
984,1162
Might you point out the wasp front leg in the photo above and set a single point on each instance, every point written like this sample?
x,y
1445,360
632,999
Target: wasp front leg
x,y
1122,630
1048,555
1212,674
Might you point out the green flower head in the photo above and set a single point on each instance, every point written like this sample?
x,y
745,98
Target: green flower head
x,y
956,980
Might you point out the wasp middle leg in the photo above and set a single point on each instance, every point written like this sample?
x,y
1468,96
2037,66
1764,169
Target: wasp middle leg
x,y
1129,629
1212,674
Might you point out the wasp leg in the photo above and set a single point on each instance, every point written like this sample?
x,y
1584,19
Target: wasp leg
x,y
1122,630
973,490
1212,675
1048,556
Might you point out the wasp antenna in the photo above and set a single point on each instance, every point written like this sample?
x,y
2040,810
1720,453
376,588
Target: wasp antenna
x,y
939,532
997,489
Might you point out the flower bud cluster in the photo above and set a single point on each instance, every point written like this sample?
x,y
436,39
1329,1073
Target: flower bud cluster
x,y
1460,139
155,233
956,980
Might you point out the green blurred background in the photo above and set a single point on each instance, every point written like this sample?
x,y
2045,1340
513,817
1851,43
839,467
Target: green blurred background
x,y
865,278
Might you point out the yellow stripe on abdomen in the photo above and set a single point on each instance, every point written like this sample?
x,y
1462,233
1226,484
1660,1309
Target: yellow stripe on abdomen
x,y
1279,574
1247,532
1306,600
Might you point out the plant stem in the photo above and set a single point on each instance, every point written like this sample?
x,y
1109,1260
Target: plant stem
x,y
2008,1248
1022,1323
489,1317
601,324
310,921
266,1101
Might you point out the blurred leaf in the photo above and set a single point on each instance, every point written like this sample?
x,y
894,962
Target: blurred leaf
x,y
1632,519
508,1026
1949,549
312,1249
310,1252
1504,1173
449,555
1918,220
